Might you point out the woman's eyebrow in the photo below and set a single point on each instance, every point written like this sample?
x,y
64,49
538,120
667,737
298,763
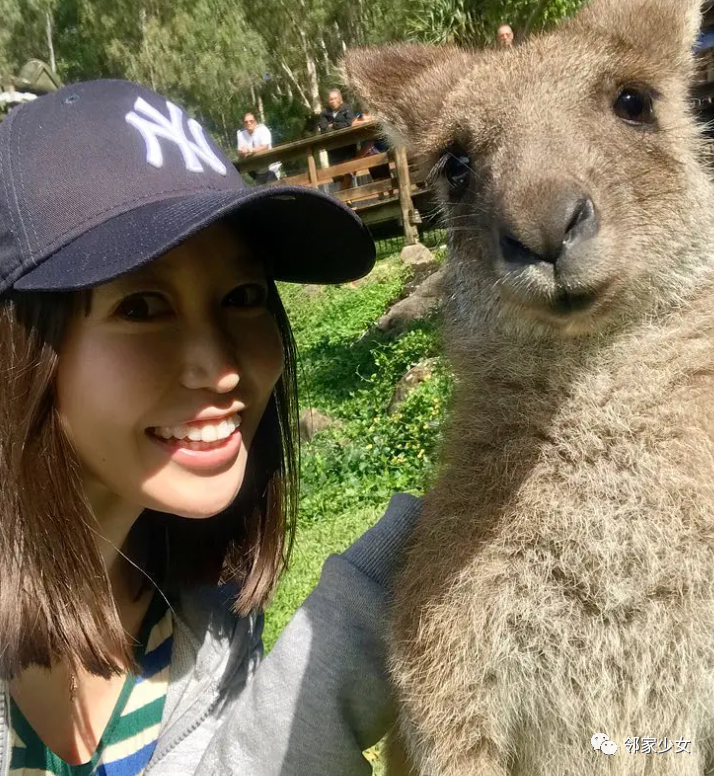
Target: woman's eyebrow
x,y
146,274
149,272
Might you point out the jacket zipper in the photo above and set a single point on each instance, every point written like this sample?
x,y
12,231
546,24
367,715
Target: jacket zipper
x,y
198,721
184,734
5,754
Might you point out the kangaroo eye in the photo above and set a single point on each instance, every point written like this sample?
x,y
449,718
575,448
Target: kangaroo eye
x,y
456,168
635,106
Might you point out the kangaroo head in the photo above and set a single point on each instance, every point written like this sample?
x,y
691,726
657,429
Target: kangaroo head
x,y
570,170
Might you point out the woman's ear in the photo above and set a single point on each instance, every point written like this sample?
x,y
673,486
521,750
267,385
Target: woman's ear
x,y
406,86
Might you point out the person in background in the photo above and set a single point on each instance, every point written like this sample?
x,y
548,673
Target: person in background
x,y
311,126
378,145
338,115
505,36
255,137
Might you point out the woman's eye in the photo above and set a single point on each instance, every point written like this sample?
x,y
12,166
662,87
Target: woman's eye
x,y
248,295
143,307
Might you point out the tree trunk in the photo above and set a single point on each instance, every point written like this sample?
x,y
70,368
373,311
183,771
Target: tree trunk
x,y
359,24
325,56
340,38
50,41
296,84
145,46
227,133
535,13
313,84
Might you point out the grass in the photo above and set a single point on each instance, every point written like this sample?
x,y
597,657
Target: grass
x,y
349,371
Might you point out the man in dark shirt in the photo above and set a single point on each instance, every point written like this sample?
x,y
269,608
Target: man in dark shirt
x,y
338,115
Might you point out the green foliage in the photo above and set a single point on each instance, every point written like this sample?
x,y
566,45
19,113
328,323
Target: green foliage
x,y
349,371
22,33
202,53
220,58
372,454
474,22
149,43
445,21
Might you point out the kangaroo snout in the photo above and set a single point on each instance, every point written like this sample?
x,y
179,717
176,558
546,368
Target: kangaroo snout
x,y
566,221
546,259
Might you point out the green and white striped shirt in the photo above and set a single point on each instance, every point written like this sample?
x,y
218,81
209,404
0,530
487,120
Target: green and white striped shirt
x,y
129,739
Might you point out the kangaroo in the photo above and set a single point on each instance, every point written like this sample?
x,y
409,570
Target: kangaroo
x,y
555,615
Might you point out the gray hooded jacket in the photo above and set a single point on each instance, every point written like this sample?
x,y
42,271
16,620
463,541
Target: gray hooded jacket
x,y
313,704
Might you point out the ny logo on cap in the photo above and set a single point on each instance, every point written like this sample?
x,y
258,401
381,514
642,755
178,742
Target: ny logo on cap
x,y
153,125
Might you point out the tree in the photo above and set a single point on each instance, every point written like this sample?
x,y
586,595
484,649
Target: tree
x,y
295,34
220,57
27,32
474,22
224,61
304,42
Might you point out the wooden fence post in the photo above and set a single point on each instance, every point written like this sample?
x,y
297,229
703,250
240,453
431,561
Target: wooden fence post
x,y
411,233
312,169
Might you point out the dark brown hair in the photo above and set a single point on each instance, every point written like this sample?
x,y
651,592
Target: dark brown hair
x,y
55,597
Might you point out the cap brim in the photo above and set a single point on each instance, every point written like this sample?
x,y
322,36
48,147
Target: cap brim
x,y
309,236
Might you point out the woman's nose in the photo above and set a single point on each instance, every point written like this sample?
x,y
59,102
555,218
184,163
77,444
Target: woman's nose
x,y
211,361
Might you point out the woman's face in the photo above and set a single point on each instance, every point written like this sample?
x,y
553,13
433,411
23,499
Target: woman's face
x,y
162,385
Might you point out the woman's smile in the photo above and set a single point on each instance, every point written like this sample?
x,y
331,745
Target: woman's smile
x,y
201,445
199,431
203,456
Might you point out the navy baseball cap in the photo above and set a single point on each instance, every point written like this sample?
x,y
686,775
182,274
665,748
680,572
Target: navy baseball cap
x,y
102,177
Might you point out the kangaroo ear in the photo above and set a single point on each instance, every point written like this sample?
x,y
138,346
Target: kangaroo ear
x,y
666,29
405,85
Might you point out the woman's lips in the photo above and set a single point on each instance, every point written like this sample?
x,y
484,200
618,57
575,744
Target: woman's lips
x,y
201,456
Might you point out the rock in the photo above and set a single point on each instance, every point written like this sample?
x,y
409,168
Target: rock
x,y
431,287
415,307
312,422
418,255
416,375
313,291
400,315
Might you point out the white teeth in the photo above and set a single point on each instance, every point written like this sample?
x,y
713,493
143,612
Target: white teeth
x,y
210,432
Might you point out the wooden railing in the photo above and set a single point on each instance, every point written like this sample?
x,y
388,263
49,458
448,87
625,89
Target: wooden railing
x,y
386,185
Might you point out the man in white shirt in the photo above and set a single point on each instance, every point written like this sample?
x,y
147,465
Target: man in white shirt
x,y
253,138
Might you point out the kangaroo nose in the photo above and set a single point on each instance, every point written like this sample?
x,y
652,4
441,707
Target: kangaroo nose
x,y
554,227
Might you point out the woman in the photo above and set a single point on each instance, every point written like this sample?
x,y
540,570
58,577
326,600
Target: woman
x,y
147,415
